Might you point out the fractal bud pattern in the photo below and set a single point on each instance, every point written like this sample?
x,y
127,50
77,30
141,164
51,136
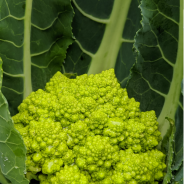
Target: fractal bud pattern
x,y
87,130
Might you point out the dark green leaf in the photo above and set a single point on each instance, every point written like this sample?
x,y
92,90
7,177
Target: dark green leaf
x,y
178,149
157,75
178,176
34,36
13,151
104,32
3,180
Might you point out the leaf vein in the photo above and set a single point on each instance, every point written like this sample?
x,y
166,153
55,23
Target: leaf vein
x,y
12,75
162,76
168,17
8,136
83,50
2,105
49,26
18,46
124,79
7,7
171,35
103,21
153,60
3,118
12,90
161,94
162,51
44,66
43,52
127,40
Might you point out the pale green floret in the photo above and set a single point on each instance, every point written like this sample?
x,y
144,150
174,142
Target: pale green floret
x,y
47,144
77,133
67,175
87,130
51,166
115,130
140,168
68,158
97,121
95,154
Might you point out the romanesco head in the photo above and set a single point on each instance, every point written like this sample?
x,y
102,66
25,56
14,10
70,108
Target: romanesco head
x,y
87,130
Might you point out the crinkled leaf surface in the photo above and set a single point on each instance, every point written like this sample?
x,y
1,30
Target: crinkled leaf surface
x,y
12,148
157,75
104,32
34,36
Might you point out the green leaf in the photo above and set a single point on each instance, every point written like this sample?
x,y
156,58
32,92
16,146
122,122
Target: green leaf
x,y
177,168
13,151
3,180
104,32
178,179
70,75
167,148
157,75
34,36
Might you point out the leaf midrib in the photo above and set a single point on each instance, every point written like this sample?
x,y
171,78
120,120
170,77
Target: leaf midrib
x,y
26,50
105,57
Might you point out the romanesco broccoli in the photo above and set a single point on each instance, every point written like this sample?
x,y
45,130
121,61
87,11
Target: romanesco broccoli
x,y
88,131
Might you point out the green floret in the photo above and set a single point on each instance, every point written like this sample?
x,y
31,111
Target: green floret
x,y
47,146
88,105
152,135
52,165
67,175
77,133
97,121
140,168
141,134
134,135
115,130
102,175
97,152
87,130
37,105
108,109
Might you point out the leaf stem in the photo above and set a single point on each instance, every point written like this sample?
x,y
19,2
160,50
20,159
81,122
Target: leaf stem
x,y
105,57
27,51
